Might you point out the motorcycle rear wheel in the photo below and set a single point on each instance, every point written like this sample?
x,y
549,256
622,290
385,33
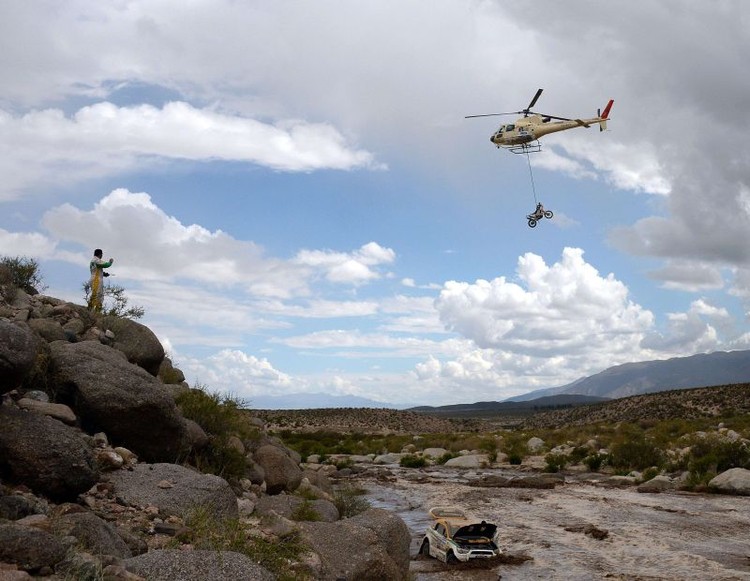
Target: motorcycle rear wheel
x,y
532,223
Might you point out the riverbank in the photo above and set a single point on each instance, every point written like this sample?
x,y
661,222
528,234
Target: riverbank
x,y
584,528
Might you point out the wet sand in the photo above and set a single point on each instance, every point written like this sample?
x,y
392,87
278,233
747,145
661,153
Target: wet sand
x,y
580,530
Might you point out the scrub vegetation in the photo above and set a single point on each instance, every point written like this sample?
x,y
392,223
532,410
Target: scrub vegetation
x,y
709,439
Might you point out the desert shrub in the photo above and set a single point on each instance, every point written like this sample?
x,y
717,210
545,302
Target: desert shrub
x,y
20,272
555,462
489,446
305,511
711,456
217,413
515,459
115,302
277,554
221,417
413,461
594,461
445,457
635,452
649,473
514,445
350,501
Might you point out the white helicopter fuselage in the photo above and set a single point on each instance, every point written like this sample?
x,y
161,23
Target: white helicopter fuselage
x,y
531,128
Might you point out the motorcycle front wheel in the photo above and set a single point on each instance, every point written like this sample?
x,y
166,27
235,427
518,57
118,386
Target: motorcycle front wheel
x,y
532,223
548,214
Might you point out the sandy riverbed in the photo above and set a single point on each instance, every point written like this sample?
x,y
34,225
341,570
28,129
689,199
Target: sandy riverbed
x,y
557,533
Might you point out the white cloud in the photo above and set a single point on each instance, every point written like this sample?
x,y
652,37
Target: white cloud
x,y
564,308
105,139
349,268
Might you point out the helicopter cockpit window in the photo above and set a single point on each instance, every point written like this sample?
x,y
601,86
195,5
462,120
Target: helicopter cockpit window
x,y
502,128
510,127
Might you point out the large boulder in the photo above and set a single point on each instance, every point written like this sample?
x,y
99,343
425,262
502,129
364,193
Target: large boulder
x,y
114,396
732,481
468,461
296,508
174,490
174,565
371,546
136,341
51,458
18,349
29,548
97,536
281,472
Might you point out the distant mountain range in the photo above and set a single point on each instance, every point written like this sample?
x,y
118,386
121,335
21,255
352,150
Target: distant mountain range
x,y
704,370
308,401
718,368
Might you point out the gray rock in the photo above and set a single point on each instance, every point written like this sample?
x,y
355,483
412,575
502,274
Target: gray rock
x,y
732,481
97,536
29,548
119,398
176,565
14,507
58,411
281,472
136,341
51,458
658,483
434,452
468,461
189,489
371,546
290,507
48,329
18,350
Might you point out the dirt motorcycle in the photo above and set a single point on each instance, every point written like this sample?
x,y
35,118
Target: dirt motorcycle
x,y
538,215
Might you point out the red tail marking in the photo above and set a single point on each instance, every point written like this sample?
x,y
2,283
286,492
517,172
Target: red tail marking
x,y
605,113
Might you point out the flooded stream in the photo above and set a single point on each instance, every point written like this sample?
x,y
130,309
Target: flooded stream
x,y
580,530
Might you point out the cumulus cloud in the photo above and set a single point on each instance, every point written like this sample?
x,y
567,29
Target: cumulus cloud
x,y
353,268
564,308
104,138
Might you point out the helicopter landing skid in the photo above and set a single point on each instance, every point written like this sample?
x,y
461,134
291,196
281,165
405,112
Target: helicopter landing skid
x,y
533,147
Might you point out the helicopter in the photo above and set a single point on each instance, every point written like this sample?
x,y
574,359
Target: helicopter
x,y
523,135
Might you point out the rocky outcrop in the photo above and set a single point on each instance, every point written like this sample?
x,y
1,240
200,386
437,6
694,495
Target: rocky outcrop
x,y
733,481
18,349
174,490
281,472
116,397
170,565
97,536
371,546
136,341
45,454
29,548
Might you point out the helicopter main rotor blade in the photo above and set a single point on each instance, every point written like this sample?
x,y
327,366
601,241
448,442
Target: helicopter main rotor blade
x,y
534,100
494,114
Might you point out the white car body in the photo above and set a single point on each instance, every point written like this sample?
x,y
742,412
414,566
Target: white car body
x,y
453,537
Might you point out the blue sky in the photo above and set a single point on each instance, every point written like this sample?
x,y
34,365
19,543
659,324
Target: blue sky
x,y
291,191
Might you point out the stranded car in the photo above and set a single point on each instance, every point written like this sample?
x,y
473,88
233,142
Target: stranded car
x,y
453,537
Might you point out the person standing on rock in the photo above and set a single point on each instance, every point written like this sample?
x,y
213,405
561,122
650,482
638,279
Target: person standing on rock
x,y
97,266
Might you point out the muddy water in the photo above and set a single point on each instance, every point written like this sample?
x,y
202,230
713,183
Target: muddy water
x,y
580,530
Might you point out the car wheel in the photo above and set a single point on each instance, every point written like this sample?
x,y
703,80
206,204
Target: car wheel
x,y
425,548
450,558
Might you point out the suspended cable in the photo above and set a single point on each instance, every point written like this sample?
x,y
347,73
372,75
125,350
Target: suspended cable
x,y
531,175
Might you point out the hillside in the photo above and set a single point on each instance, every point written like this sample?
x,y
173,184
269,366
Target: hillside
x,y
705,369
685,404
362,420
